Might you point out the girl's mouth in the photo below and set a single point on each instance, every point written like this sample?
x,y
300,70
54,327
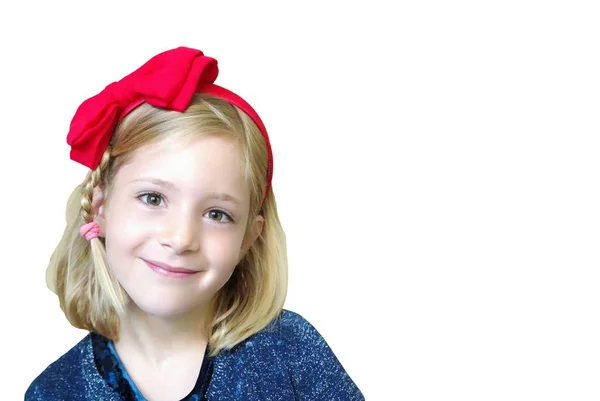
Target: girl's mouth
x,y
169,271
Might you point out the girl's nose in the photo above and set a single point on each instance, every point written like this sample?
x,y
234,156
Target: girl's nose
x,y
181,233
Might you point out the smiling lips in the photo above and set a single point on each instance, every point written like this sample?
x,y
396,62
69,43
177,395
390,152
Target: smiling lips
x,y
169,271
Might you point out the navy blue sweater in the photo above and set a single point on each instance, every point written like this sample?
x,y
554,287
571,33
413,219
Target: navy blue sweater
x,y
287,360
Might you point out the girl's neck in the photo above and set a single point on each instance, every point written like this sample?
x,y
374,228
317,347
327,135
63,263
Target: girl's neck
x,y
158,339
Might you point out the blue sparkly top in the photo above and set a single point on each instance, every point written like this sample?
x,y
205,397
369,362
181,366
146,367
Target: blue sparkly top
x,y
287,360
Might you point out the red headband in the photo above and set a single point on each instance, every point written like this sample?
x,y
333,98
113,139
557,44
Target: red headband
x,y
168,80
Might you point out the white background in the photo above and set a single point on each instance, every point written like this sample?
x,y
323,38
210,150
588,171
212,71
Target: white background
x,y
436,169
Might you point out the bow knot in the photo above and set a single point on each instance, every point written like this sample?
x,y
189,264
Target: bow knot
x,y
168,80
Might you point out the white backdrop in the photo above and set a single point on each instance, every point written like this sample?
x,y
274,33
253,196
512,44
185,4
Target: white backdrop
x,y
436,169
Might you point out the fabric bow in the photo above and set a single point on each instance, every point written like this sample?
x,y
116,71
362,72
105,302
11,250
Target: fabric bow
x,y
168,80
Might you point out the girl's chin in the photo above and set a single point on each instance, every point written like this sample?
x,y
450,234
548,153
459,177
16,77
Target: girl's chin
x,y
163,310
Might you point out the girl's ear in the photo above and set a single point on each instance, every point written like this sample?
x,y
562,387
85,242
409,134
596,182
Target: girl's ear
x,y
98,208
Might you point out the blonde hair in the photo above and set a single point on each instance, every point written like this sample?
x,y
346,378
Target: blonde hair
x,y
91,297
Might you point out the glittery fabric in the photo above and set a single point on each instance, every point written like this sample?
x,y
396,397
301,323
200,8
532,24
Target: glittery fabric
x,y
108,367
287,360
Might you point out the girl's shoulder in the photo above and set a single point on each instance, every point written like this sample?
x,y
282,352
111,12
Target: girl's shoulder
x,y
295,331
316,371
299,337
289,333
288,358
73,376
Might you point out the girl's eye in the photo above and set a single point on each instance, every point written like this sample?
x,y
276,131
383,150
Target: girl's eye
x,y
219,215
151,199
157,200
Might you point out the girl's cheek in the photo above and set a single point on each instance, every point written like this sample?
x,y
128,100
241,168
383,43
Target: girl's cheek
x,y
226,245
136,221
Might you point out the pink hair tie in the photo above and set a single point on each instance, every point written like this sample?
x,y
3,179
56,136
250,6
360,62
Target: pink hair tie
x,y
90,230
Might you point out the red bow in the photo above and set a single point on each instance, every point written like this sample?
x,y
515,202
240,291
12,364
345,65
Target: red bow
x,y
168,80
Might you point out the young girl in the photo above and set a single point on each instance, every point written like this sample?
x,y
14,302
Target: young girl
x,y
173,257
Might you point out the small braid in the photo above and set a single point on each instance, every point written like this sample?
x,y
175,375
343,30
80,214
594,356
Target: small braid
x,y
87,192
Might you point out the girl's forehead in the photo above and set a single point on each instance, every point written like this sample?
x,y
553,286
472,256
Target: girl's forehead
x,y
210,161
180,142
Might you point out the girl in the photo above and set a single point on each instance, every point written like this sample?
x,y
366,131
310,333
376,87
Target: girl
x,y
173,257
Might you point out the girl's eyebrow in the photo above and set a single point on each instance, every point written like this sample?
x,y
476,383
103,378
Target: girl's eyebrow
x,y
169,185
155,181
223,197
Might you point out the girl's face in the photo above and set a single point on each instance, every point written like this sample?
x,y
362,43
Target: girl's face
x,y
175,222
